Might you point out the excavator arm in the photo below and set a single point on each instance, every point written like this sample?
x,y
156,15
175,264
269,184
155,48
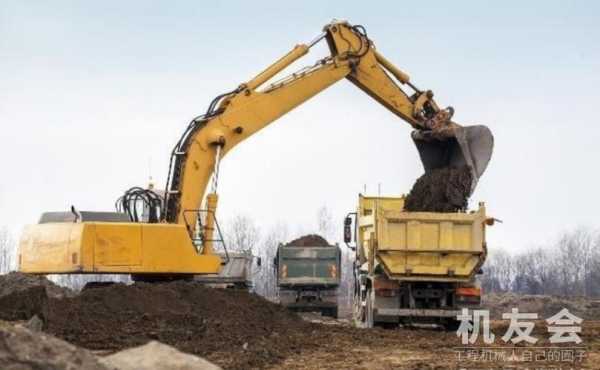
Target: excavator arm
x,y
252,106
101,242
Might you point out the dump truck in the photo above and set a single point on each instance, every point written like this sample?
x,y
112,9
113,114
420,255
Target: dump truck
x,y
414,267
308,277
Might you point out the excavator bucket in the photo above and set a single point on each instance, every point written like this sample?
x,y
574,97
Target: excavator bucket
x,y
455,147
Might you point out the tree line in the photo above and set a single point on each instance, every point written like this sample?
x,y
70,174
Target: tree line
x,y
567,266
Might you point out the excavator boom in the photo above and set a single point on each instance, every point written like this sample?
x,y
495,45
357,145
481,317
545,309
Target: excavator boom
x,y
134,247
249,108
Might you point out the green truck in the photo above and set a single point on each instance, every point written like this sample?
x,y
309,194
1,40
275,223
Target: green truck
x,y
308,275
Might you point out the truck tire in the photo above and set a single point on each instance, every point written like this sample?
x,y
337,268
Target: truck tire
x,y
451,325
369,314
357,312
331,312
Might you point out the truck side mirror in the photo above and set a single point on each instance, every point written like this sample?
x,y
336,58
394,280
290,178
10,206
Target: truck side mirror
x,y
258,261
348,230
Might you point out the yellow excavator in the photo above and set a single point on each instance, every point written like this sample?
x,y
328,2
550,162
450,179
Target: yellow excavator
x,y
175,236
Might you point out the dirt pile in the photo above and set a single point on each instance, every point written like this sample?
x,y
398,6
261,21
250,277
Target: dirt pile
x,y
440,190
234,329
16,281
311,240
23,296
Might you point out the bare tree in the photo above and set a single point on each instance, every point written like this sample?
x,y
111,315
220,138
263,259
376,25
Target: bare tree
x,y
7,251
593,276
574,251
570,266
525,274
346,290
541,261
265,281
325,224
328,228
498,272
241,234
585,239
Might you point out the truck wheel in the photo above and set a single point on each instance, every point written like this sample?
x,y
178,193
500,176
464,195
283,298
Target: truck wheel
x,y
452,325
369,318
334,313
357,312
331,312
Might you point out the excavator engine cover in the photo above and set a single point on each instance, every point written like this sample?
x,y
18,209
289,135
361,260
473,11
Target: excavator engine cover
x,y
455,147
100,247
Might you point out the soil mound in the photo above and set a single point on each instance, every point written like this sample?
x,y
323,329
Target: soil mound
x,y
311,240
235,329
23,296
440,190
16,281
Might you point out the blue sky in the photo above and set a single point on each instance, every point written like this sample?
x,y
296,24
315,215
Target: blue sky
x,y
94,94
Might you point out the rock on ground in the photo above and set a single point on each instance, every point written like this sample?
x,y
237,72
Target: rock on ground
x,y
21,349
155,355
34,324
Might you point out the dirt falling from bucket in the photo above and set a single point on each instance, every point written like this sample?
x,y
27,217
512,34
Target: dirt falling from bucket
x,y
440,190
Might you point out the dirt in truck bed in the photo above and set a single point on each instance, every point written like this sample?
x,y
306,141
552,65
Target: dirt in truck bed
x,y
440,190
311,240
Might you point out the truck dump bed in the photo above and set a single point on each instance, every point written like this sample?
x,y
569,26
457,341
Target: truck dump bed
x,y
306,266
421,246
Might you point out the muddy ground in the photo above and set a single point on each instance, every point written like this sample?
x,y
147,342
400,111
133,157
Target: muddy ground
x,y
239,330
440,190
348,348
